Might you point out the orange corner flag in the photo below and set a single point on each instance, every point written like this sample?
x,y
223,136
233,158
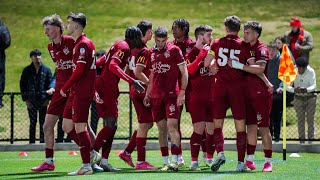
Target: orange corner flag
x,y
286,67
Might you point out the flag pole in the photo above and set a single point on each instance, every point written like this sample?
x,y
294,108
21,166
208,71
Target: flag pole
x,y
284,120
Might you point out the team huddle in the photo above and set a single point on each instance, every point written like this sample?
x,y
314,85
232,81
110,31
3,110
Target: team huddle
x,y
206,75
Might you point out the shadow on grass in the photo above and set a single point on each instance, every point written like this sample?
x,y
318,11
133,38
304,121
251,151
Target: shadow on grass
x,y
35,175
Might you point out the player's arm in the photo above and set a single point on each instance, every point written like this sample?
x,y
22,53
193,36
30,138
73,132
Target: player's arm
x,y
79,70
116,70
100,62
127,70
138,72
194,66
184,83
146,100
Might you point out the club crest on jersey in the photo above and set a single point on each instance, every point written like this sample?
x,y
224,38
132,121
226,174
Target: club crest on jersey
x,y
82,51
172,108
167,54
52,54
66,51
152,57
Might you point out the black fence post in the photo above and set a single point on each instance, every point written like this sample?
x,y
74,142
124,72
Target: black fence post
x,y
12,117
130,118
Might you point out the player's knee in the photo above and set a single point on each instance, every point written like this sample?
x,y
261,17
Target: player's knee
x,y
111,122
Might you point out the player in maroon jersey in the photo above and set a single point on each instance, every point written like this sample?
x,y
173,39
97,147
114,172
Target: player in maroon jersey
x,y
227,91
81,87
258,93
180,31
139,68
60,50
163,93
201,81
107,87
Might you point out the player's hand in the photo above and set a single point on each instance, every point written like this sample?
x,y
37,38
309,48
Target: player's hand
x,y
213,68
181,98
62,93
146,101
235,64
204,51
279,90
97,98
138,85
50,91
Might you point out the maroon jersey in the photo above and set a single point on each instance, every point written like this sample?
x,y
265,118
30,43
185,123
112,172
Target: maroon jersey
x,y
223,49
139,57
120,51
257,53
202,81
61,55
84,52
185,46
165,68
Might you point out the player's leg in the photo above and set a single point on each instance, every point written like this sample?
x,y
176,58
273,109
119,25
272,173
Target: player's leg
x,y
126,154
209,143
195,141
180,156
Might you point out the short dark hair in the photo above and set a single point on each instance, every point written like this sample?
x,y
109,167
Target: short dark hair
x,y
53,20
79,18
254,25
144,26
161,32
302,62
272,45
35,52
202,29
281,38
133,34
100,53
183,25
233,23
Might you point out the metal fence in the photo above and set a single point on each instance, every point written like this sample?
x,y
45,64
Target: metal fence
x,y
15,122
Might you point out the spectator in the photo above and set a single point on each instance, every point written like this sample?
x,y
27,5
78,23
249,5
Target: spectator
x,y
279,42
5,41
299,41
277,103
35,80
305,99
94,114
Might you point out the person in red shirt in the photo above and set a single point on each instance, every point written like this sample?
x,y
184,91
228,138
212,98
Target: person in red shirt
x,y
201,81
259,93
81,87
60,50
180,31
228,85
107,88
163,93
139,68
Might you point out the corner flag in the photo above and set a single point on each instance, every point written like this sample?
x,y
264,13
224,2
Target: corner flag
x,y
287,74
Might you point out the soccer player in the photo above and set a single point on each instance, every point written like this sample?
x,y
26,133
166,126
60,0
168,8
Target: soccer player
x,y
139,66
107,88
228,90
259,98
201,81
164,96
81,86
60,50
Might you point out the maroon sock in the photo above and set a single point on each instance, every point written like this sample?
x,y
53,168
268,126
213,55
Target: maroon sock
x,y
251,149
49,153
195,142
73,135
241,145
85,146
203,142
210,146
218,139
132,143
268,153
141,148
102,137
107,147
164,151
180,147
175,149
